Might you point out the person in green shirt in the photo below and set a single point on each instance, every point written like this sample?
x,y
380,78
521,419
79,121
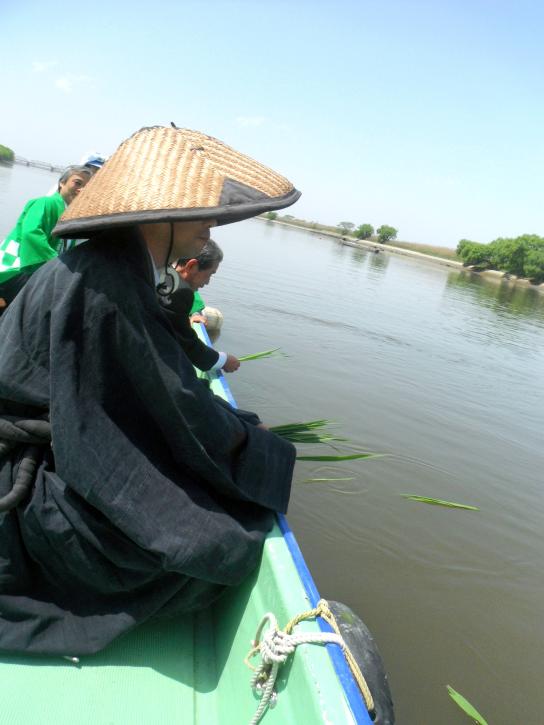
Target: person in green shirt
x,y
30,244
194,273
197,310
210,317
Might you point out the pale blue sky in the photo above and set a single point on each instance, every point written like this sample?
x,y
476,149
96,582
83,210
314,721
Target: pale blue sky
x,y
424,115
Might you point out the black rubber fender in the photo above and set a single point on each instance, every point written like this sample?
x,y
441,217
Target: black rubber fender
x,y
363,647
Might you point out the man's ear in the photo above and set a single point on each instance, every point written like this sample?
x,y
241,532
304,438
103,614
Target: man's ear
x,y
192,265
187,267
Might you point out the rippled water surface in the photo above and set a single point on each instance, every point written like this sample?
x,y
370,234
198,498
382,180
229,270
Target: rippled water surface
x,y
441,371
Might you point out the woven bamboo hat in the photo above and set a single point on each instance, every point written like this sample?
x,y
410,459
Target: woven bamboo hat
x,y
163,174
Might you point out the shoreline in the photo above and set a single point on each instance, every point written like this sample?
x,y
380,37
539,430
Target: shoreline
x,y
494,275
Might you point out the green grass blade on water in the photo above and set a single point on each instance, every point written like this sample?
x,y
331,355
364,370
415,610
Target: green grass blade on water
x,y
439,502
312,438
313,431
350,457
465,705
259,355
327,480
307,432
309,437
319,423
300,427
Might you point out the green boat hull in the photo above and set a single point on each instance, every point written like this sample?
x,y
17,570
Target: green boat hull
x,y
188,670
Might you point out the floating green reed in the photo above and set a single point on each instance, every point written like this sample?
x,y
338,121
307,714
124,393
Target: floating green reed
x,y
309,432
465,705
439,502
306,425
327,480
306,432
351,457
259,355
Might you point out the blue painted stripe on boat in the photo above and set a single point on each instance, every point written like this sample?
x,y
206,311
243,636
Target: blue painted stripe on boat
x,y
351,689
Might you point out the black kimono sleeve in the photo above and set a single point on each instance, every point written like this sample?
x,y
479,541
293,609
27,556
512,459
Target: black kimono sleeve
x,y
177,307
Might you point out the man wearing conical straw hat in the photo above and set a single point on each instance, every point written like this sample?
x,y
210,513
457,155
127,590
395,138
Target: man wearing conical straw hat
x,y
128,490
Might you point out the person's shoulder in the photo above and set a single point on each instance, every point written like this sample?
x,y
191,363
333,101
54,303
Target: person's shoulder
x,y
94,257
179,301
91,271
53,201
103,262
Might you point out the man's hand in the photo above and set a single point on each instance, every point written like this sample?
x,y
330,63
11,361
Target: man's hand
x,y
198,318
231,364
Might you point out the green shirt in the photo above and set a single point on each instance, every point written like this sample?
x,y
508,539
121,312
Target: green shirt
x,y
30,244
198,304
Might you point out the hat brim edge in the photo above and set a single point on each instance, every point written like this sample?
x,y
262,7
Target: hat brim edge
x,y
228,214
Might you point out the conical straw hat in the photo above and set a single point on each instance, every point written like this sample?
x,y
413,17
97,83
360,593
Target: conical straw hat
x,y
163,174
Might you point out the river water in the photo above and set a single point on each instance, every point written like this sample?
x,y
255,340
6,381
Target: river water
x,y
442,372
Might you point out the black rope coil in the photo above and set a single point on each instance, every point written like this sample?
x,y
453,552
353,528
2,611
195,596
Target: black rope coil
x,y
33,434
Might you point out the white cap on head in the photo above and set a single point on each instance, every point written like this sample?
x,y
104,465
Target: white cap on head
x,y
93,159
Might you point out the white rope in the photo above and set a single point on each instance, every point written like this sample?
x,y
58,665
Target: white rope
x,y
274,648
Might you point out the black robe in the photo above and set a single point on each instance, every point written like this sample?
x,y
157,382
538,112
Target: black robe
x,y
177,306
153,495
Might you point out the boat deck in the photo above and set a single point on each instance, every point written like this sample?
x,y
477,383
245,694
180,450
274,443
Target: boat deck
x,y
188,670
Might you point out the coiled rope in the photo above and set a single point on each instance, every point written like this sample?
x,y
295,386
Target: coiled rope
x,y
276,645
32,435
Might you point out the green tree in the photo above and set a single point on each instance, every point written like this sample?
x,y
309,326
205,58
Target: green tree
x,y
534,264
508,255
462,244
364,231
386,233
271,215
522,256
6,154
345,227
474,254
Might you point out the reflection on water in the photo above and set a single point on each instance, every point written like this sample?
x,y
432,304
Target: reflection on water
x,y
364,256
498,295
340,250
378,260
358,255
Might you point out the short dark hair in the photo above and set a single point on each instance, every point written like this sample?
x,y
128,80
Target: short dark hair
x,y
210,253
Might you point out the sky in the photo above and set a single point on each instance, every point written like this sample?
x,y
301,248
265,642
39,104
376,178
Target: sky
x,y
427,116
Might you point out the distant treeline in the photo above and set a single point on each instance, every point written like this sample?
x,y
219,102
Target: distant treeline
x,y
385,233
290,219
520,256
6,154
